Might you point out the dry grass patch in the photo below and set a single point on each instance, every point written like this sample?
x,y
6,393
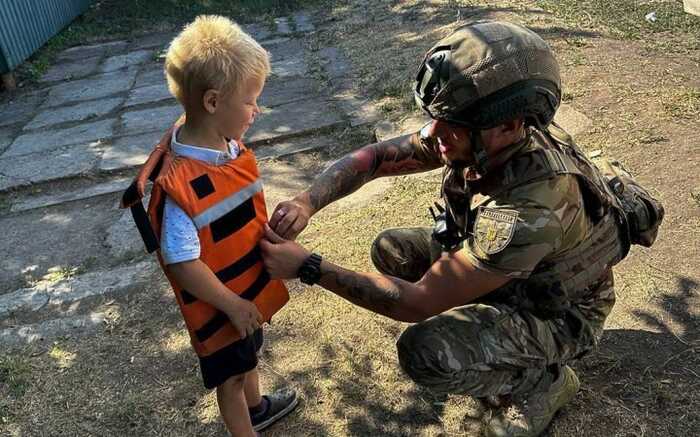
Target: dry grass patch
x,y
683,103
140,376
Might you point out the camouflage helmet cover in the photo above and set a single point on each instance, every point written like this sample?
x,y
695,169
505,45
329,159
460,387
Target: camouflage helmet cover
x,y
487,73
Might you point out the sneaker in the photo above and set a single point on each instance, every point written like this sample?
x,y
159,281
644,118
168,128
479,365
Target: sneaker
x,y
279,404
529,417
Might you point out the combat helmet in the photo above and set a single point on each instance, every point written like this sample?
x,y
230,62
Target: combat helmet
x,y
487,73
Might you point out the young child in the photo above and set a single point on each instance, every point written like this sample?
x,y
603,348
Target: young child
x,y
208,208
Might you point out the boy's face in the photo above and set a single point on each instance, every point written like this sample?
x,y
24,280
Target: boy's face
x,y
237,111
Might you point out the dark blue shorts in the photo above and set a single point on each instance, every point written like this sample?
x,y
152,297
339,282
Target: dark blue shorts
x,y
235,359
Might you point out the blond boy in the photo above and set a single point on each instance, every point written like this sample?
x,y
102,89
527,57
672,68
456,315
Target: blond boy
x,y
207,206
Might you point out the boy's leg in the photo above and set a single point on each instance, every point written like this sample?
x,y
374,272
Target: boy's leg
x,y
265,410
233,407
252,389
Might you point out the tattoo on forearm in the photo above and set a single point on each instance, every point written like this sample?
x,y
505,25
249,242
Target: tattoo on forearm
x,y
393,157
366,292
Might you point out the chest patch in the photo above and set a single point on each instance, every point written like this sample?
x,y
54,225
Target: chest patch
x,y
494,229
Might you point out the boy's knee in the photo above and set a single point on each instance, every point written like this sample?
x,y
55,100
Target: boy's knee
x,y
234,383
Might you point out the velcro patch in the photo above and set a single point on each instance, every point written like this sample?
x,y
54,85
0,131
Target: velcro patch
x,y
494,228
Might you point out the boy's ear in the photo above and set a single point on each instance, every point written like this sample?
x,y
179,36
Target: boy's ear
x,y
210,99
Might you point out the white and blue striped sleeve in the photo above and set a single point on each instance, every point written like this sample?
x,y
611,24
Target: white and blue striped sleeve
x,y
179,241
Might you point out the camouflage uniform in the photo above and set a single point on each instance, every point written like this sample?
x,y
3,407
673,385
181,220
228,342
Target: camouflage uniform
x,y
514,339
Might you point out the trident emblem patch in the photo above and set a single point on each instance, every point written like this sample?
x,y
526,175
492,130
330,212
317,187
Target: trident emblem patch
x,y
494,228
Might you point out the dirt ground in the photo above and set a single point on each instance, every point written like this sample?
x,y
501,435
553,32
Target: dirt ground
x,y
641,90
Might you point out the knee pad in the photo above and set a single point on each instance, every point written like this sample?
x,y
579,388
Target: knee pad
x,y
412,356
381,248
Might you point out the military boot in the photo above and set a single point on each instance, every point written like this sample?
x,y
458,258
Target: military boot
x,y
530,416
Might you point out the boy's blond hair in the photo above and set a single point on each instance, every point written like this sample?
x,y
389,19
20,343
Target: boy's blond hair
x,y
213,52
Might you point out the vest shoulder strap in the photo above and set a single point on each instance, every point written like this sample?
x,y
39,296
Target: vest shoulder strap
x,y
154,165
554,158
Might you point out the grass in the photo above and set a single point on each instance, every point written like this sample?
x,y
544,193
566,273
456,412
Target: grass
x,y
682,102
360,225
60,273
626,18
15,375
63,358
113,19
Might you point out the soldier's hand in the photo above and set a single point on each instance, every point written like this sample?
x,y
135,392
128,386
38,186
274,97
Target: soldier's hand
x,y
290,218
244,316
282,257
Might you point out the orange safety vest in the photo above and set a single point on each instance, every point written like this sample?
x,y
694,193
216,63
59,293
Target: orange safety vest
x,y
227,206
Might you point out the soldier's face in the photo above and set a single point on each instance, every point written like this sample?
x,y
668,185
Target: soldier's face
x,y
453,141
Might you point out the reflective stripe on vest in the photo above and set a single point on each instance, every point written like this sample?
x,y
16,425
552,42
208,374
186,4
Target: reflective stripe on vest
x,y
227,205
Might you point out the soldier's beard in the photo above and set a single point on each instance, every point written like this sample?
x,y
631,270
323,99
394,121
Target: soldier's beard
x,y
456,164
457,158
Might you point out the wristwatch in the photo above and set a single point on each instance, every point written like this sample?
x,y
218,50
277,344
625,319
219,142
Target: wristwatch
x,y
310,271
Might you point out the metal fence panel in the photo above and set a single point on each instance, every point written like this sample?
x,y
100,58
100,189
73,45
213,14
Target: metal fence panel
x,y
26,25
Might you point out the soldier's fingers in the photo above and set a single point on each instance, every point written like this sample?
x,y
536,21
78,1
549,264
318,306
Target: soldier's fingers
x,y
284,224
278,215
296,229
280,222
290,232
272,236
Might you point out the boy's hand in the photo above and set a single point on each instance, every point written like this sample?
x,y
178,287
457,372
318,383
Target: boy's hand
x,y
282,257
244,316
291,217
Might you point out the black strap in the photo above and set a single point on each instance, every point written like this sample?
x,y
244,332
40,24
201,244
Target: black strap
x,y
130,196
144,226
481,158
138,212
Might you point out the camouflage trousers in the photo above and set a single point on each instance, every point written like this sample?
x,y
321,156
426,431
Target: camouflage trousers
x,y
488,347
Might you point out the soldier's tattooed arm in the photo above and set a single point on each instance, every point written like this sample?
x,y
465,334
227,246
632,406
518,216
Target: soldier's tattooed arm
x,y
381,294
402,155
397,156
452,281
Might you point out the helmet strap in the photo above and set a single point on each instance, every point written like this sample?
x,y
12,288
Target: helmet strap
x,y
481,158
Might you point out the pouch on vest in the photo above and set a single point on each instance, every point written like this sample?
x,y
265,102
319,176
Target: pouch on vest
x,y
643,211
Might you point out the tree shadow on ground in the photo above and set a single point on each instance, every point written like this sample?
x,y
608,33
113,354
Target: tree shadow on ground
x,y
361,413
644,380
559,32
477,12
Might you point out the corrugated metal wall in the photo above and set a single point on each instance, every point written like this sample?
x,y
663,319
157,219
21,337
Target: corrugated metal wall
x,y
25,25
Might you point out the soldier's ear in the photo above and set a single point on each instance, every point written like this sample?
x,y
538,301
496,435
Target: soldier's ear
x,y
512,126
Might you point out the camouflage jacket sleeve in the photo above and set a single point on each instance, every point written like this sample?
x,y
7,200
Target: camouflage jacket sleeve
x,y
516,231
